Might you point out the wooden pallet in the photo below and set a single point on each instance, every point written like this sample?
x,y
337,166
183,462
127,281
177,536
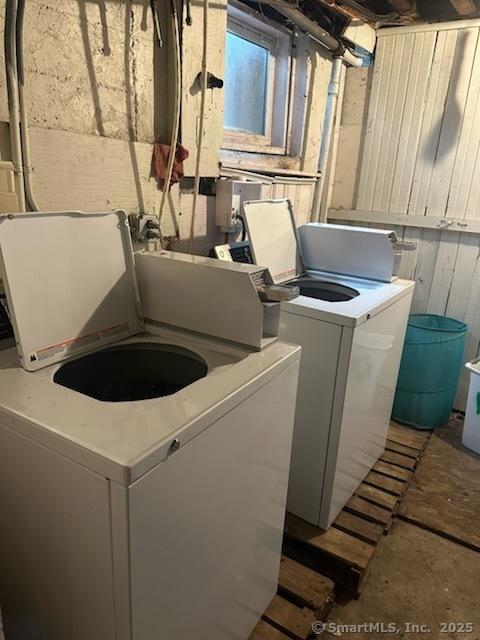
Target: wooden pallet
x,y
343,553
304,596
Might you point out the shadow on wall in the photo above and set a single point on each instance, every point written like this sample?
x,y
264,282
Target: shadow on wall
x,y
131,100
440,141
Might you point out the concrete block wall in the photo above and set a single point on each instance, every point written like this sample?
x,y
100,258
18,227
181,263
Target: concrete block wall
x,y
99,93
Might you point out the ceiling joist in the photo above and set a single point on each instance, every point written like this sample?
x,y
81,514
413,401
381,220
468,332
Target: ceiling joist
x,y
402,6
464,8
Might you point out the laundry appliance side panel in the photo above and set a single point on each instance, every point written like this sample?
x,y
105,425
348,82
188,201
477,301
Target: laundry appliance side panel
x,y
370,389
320,342
55,545
206,525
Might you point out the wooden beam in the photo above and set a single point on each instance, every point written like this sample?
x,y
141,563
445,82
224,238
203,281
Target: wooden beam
x,y
402,6
462,225
464,8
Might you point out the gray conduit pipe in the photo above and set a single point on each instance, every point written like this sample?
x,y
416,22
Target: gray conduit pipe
x,y
13,104
308,26
331,108
25,138
315,31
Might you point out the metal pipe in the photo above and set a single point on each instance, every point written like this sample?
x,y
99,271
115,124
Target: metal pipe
x,y
333,91
13,105
315,31
334,45
25,138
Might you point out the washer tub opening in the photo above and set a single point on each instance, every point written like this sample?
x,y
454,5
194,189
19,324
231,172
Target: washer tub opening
x,y
133,371
323,290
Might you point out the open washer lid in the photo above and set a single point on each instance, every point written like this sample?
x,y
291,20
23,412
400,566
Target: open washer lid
x,y
70,283
273,238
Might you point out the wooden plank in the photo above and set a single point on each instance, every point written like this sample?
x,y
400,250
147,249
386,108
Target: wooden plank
x,y
452,225
412,120
408,436
382,62
392,471
398,459
431,123
382,82
304,585
369,511
462,183
285,616
443,274
465,8
393,122
264,631
425,269
453,113
359,527
333,542
377,496
444,495
391,445
395,487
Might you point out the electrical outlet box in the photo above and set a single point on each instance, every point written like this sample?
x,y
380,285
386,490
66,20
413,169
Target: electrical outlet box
x,y
230,196
144,227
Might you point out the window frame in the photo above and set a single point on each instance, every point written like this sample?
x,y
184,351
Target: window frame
x,y
278,41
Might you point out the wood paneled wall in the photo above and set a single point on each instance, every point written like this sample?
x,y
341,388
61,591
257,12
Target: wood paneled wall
x,y
418,156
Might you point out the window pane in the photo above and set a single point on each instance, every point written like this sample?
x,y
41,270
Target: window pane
x,y
245,84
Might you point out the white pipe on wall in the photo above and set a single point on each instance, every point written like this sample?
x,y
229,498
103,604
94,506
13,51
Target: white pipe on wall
x,y
24,135
332,99
13,101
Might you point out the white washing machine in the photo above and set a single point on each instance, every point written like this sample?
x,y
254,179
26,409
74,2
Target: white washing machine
x,y
350,320
143,470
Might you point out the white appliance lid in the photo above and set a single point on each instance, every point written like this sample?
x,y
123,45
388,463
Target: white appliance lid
x,y
70,283
273,238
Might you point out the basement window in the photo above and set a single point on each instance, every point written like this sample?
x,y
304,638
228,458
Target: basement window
x,y
257,83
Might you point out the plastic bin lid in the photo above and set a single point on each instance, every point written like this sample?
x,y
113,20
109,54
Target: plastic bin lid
x,y
273,238
70,283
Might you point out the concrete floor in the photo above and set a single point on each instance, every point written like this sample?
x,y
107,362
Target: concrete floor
x,y
418,577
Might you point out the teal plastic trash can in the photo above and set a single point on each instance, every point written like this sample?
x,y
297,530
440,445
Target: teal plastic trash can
x,y
429,372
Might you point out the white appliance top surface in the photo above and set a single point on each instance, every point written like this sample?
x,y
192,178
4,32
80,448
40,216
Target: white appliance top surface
x,y
124,440
70,283
374,296
273,238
